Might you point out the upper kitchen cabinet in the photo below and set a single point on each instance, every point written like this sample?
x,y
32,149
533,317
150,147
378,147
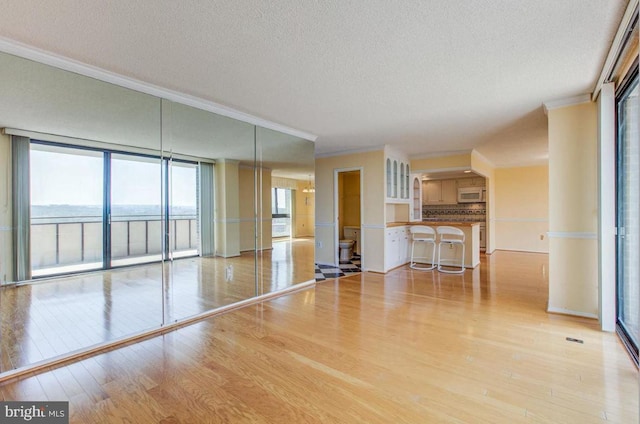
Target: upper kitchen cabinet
x,y
416,198
471,182
397,174
440,192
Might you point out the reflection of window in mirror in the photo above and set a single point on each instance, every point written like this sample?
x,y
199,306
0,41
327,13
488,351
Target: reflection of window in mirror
x,y
281,212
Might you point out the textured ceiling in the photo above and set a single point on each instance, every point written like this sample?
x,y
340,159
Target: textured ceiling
x,y
424,76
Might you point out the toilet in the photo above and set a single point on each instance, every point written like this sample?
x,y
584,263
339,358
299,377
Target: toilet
x,y
346,250
353,233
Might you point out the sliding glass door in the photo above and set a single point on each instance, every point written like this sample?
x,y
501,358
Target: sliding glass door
x,y
628,218
94,209
135,210
66,209
183,209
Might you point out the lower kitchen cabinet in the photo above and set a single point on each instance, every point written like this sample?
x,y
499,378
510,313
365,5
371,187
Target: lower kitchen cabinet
x,y
397,245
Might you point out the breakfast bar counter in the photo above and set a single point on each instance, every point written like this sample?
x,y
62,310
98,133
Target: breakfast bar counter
x,y
471,232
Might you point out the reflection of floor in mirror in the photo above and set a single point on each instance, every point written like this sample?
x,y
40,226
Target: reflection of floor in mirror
x,y
345,268
55,316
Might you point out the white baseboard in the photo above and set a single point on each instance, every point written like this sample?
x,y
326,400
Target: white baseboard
x,y
506,249
555,310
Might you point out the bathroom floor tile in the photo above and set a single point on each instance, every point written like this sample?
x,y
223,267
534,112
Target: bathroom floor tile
x,y
345,268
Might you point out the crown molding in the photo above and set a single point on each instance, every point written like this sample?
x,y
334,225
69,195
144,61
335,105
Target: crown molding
x,y
524,164
567,101
441,154
61,62
439,170
349,152
395,151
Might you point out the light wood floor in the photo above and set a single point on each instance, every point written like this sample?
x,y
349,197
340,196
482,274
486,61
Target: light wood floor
x,y
406,347
54,317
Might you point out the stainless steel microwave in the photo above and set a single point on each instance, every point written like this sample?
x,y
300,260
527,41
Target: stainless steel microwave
x,y
470,195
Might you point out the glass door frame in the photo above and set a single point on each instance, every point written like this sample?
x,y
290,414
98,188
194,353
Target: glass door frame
x,y
630,82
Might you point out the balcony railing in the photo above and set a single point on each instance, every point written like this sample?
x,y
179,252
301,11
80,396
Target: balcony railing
x,y
281,227
75,242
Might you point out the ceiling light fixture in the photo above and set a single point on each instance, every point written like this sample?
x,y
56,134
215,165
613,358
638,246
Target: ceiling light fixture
x,y
309,188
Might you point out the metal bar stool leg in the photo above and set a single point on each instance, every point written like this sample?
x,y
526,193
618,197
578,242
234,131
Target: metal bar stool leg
x,y
451,236
433,255
461,270
423,234
411,262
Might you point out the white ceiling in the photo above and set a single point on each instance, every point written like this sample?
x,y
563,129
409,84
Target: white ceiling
x,y
424,76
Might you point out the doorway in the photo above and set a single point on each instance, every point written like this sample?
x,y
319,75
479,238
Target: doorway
x,y
348,248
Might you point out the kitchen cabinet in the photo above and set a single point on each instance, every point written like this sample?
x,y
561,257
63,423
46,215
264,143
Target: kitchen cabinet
x,y
388,178
397,180
432,192
471,182
396,247
440,192
402,181
449,192
394,181
391,242
407,193
416,199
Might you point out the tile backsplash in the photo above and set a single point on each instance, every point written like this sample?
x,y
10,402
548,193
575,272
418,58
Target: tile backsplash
x,y
462,212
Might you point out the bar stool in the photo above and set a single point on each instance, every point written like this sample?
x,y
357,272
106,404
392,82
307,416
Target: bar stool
x,y
451,236
422,234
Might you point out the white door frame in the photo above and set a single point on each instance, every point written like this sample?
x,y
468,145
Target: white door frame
x,y
336,222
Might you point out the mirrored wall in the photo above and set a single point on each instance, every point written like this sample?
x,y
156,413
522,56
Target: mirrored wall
x,y
122,213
